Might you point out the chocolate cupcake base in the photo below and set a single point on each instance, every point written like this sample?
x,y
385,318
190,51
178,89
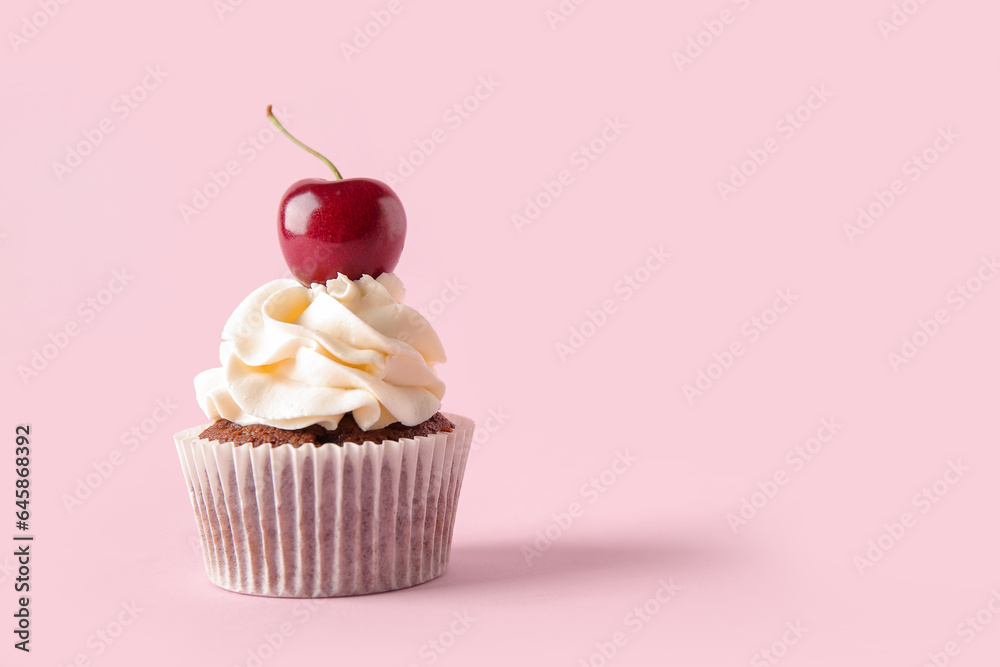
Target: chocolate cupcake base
x,y
328,519
347,431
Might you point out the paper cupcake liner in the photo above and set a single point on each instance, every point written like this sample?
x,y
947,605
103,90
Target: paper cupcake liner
x,y
325,521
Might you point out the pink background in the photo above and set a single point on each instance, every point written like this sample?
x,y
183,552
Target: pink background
x,y
521,293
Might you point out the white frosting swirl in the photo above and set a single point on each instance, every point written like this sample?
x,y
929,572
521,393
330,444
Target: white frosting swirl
x,y
293,356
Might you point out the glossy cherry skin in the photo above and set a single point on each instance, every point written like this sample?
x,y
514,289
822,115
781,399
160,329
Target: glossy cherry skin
x,y
354,226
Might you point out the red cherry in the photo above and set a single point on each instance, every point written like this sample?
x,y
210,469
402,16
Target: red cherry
x,y
353,226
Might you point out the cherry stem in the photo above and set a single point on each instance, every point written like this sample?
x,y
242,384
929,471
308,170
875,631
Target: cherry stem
x,y
271,117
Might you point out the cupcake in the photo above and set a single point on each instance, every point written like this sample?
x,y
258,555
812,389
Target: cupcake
x,y
327,467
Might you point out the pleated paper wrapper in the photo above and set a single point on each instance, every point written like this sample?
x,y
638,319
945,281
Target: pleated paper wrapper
x,y
325,521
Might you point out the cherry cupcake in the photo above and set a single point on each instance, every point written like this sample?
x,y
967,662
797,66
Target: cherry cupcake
x,y
328,468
